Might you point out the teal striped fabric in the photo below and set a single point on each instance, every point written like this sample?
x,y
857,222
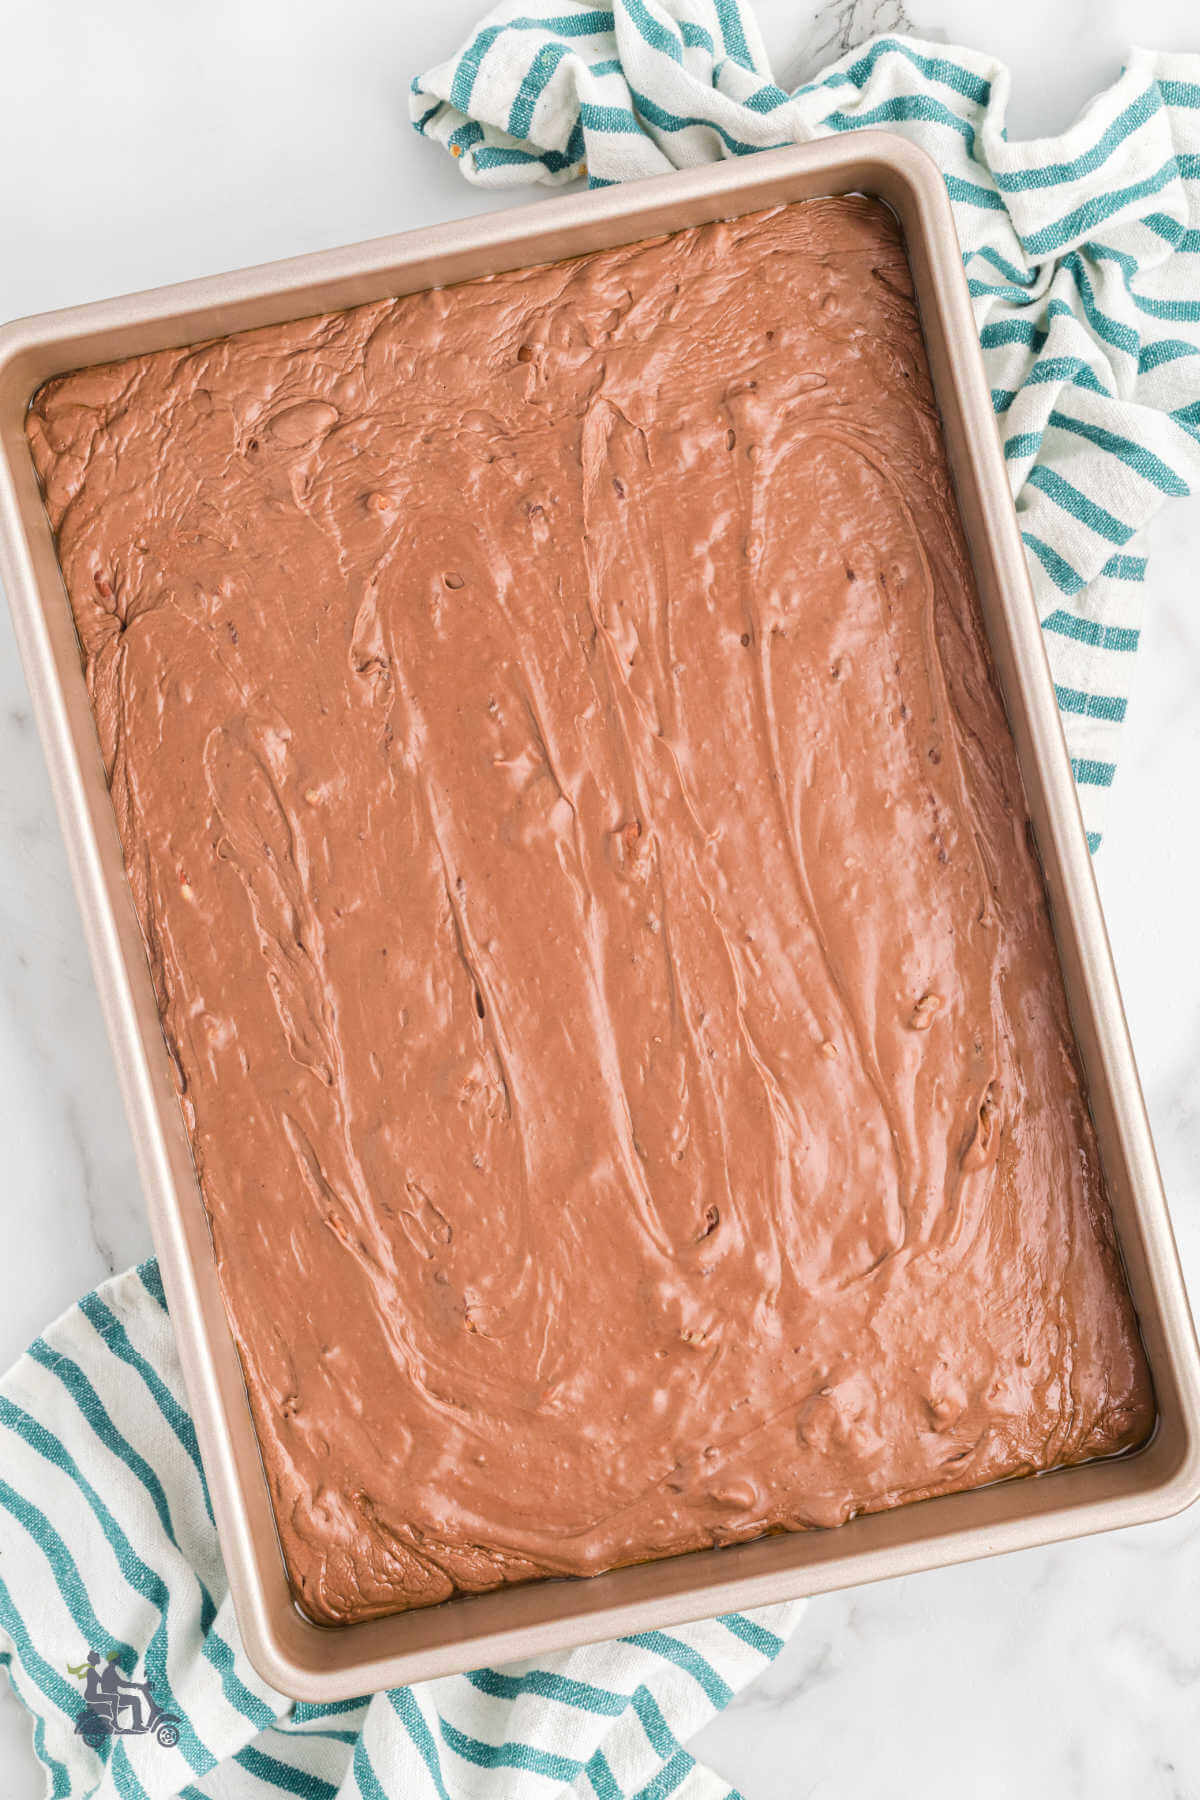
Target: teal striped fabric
x,y
1082,254
107,1545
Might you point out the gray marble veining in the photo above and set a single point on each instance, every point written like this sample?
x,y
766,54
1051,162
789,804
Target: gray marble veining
x,y
1072,1672
841,25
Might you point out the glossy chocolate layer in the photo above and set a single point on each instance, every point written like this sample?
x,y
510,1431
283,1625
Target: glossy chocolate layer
x,y
585,874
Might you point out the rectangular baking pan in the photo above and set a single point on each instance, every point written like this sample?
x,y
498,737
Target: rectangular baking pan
x,y
314,1663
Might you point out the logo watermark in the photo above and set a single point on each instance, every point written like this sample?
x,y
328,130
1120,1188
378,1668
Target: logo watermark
x,y
116,1706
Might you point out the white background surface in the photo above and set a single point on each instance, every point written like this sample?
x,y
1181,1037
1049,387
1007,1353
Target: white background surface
x,y
148,140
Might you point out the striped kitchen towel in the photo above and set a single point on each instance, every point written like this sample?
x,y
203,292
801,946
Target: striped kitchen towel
x,y
114,1609
1082,253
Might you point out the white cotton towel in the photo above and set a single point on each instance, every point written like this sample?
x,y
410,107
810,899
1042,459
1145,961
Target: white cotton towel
x,y
1082,253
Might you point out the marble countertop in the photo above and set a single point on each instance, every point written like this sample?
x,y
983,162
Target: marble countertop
x,y
154,143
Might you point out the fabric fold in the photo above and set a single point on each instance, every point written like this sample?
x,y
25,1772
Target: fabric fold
x,y
1082,254
108,1549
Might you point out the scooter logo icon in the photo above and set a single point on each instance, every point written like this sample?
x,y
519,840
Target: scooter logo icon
x,y
116,1706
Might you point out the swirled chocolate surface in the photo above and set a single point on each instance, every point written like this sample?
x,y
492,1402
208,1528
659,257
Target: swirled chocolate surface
x,y
584,869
